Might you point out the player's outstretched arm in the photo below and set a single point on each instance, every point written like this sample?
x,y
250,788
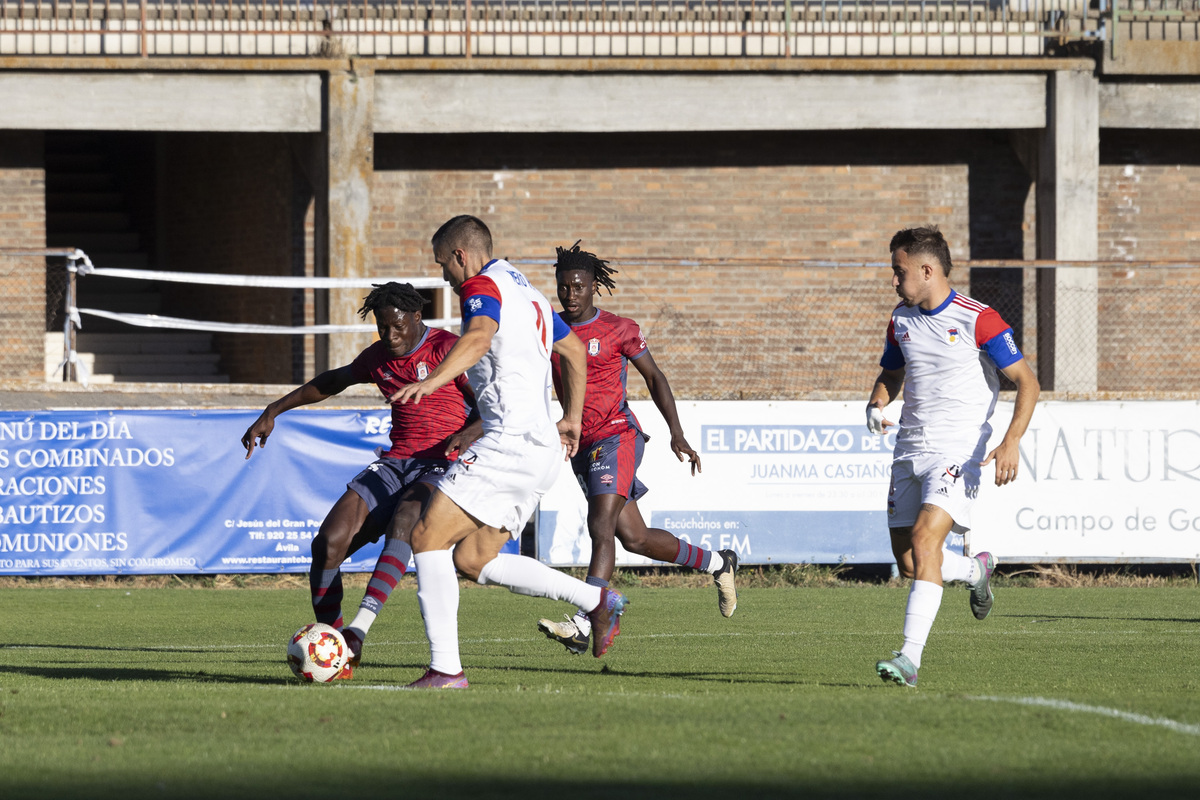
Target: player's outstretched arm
x,y
572,364
466,352
319,388
1007,454
887,387
664,399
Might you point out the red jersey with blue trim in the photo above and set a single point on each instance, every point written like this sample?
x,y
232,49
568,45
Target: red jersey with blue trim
x,y
950,356
610,342
418,429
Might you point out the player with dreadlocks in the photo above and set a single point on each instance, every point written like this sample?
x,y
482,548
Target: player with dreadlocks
x,y
389,495
611,445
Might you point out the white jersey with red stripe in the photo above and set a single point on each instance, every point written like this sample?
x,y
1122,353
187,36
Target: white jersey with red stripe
x,y
512,380
950,356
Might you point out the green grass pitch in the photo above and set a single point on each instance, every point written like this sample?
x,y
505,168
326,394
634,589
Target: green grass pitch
x,y
136,693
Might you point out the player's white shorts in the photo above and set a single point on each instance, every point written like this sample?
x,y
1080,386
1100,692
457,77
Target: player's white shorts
x,y
948,482
501,478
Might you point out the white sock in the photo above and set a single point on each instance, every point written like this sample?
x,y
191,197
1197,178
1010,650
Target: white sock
x,y
362,622
524,575
437,594
956,567
715,562
924,599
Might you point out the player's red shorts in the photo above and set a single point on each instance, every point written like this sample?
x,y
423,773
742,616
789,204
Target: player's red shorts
x,y
609,466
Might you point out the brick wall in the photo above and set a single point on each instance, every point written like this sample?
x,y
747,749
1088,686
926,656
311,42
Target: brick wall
x,y
752,330
23,279
1149,210
229,207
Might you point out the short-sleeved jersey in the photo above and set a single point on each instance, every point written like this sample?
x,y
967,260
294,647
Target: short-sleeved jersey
x,y
418,430
611,342
950,356
512,379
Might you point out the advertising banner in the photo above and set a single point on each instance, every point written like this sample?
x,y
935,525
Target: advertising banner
x,y
1098,482
782,482
788,482
113,492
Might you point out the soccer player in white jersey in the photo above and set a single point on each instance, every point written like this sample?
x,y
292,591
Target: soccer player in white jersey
x,y
508,333
944,349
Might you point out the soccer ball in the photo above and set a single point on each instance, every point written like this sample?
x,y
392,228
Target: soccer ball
x,y
317,652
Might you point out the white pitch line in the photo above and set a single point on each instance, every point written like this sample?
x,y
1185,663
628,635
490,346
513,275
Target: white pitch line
x,y
1066,705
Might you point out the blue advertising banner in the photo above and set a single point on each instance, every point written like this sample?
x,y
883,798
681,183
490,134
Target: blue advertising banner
x,y
111,492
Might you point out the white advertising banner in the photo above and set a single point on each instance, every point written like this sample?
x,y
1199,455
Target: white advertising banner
x,y
1098,481
791,482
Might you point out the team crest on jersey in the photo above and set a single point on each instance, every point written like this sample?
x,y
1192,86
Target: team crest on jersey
x,y
593,346
474,304
952,335
422,371
905,337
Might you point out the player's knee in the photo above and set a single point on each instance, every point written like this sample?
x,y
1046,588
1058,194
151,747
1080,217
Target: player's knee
x,y
632,540
469,563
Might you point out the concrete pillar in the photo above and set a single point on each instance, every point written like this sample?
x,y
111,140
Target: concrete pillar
x,y
342,241
1068,174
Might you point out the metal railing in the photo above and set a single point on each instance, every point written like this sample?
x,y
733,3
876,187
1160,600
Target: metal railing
x,y
549,28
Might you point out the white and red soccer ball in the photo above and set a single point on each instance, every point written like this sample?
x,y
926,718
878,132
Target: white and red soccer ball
x,y
317,653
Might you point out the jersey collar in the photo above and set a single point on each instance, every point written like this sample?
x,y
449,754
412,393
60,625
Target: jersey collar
x,y
595,316
942,307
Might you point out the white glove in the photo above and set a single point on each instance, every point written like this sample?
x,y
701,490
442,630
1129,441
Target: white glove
x,y
874,419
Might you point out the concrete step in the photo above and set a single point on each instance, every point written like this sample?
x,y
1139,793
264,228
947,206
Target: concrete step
x,y
170,379
150,357
158,342
122,364
105,221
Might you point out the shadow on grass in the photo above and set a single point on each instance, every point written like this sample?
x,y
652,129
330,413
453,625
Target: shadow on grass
x,y
787,782
1058,617
140,674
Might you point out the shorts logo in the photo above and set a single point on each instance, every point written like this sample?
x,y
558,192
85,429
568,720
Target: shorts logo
x,y
468,461
422,371
606,479
954,471
952,334
942,490
597,453
905,337
593,346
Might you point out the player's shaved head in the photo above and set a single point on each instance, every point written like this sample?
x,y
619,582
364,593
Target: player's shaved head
x,y
923,242
464,232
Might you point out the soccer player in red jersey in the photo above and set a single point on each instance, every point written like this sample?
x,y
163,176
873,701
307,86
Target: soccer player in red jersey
x,y
389,495
612,441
